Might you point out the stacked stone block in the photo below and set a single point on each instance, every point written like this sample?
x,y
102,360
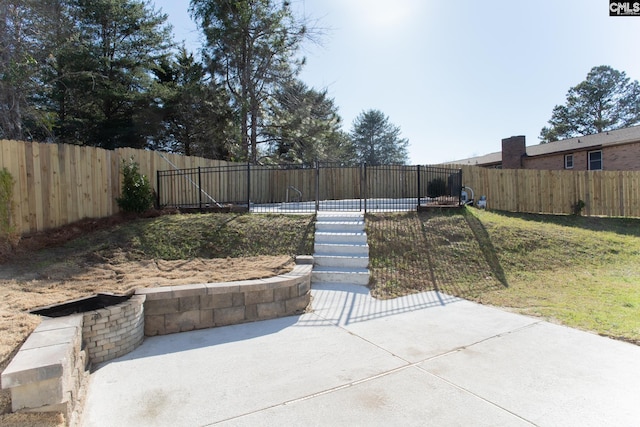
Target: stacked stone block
x,y
185,308
50,368
114,331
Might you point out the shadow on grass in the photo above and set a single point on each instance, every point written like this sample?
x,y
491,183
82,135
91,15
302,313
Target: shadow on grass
x,y
624,226
305,245
460,257
446,251
486,246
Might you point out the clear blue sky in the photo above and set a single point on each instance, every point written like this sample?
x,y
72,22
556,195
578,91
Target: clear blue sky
x,y
456,76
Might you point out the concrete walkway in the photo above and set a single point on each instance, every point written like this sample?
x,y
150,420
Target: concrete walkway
x,y
425,359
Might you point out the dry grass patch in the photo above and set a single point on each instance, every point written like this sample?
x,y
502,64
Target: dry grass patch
x,y
119,255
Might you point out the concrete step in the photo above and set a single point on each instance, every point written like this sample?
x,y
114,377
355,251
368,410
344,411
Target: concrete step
x,y
340,226
342,261
341,238
345,249
358,276
341,250
339,216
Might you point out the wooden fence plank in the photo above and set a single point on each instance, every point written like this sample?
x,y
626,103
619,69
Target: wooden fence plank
x,y
114,180
45,184
72,178
634,189
37,187
80,157
94,193
32,223
596,201
87,186
12,152
102,171
23,195
553,191
55,194
63,196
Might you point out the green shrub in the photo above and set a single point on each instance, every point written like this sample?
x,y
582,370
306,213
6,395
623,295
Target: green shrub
x,y
137,195
6,203
436,188
9,238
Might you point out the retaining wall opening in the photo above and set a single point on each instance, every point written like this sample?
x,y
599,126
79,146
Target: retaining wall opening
x,y
81,305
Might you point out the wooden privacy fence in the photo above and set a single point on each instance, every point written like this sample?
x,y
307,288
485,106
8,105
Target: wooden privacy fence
x,y
604,193
57,184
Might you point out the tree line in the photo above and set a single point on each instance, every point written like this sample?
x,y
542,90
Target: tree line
x,y
107,73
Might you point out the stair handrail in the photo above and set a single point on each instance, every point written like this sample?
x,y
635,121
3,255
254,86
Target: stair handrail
x,y
291,187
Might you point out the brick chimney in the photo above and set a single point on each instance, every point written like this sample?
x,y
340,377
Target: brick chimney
x,y
513,152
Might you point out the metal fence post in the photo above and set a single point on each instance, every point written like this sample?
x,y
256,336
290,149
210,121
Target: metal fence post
x,y
360,188
158,187
460,187
365,187
317,164
199,188
419,192
248,186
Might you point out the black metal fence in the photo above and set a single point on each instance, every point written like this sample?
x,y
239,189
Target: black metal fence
x,y
310,188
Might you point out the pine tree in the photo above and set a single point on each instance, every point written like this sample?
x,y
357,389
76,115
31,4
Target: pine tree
x,y
606,100
377,141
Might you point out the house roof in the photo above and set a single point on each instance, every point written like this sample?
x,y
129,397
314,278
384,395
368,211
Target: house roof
x,y
487,159
612,137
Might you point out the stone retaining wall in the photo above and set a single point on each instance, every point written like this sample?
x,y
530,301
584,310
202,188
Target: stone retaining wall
x,y
114,331
184,308
49,370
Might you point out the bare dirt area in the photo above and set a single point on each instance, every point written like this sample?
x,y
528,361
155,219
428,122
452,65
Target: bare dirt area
x,y
40,272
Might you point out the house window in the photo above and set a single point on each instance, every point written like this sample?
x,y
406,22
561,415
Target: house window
x,y
595,160
568,161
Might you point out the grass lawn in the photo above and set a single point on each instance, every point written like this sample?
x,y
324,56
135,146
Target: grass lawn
x,y
581,272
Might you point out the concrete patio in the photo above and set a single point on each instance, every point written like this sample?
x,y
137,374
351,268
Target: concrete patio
x,y
424,359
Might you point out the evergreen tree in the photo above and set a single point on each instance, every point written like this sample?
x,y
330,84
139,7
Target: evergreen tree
x,y
196,119
104,72
606,100
302,123
252,44
25,27
377,141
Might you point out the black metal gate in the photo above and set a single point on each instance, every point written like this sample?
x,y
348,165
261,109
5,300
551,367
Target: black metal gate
x,y
340,187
